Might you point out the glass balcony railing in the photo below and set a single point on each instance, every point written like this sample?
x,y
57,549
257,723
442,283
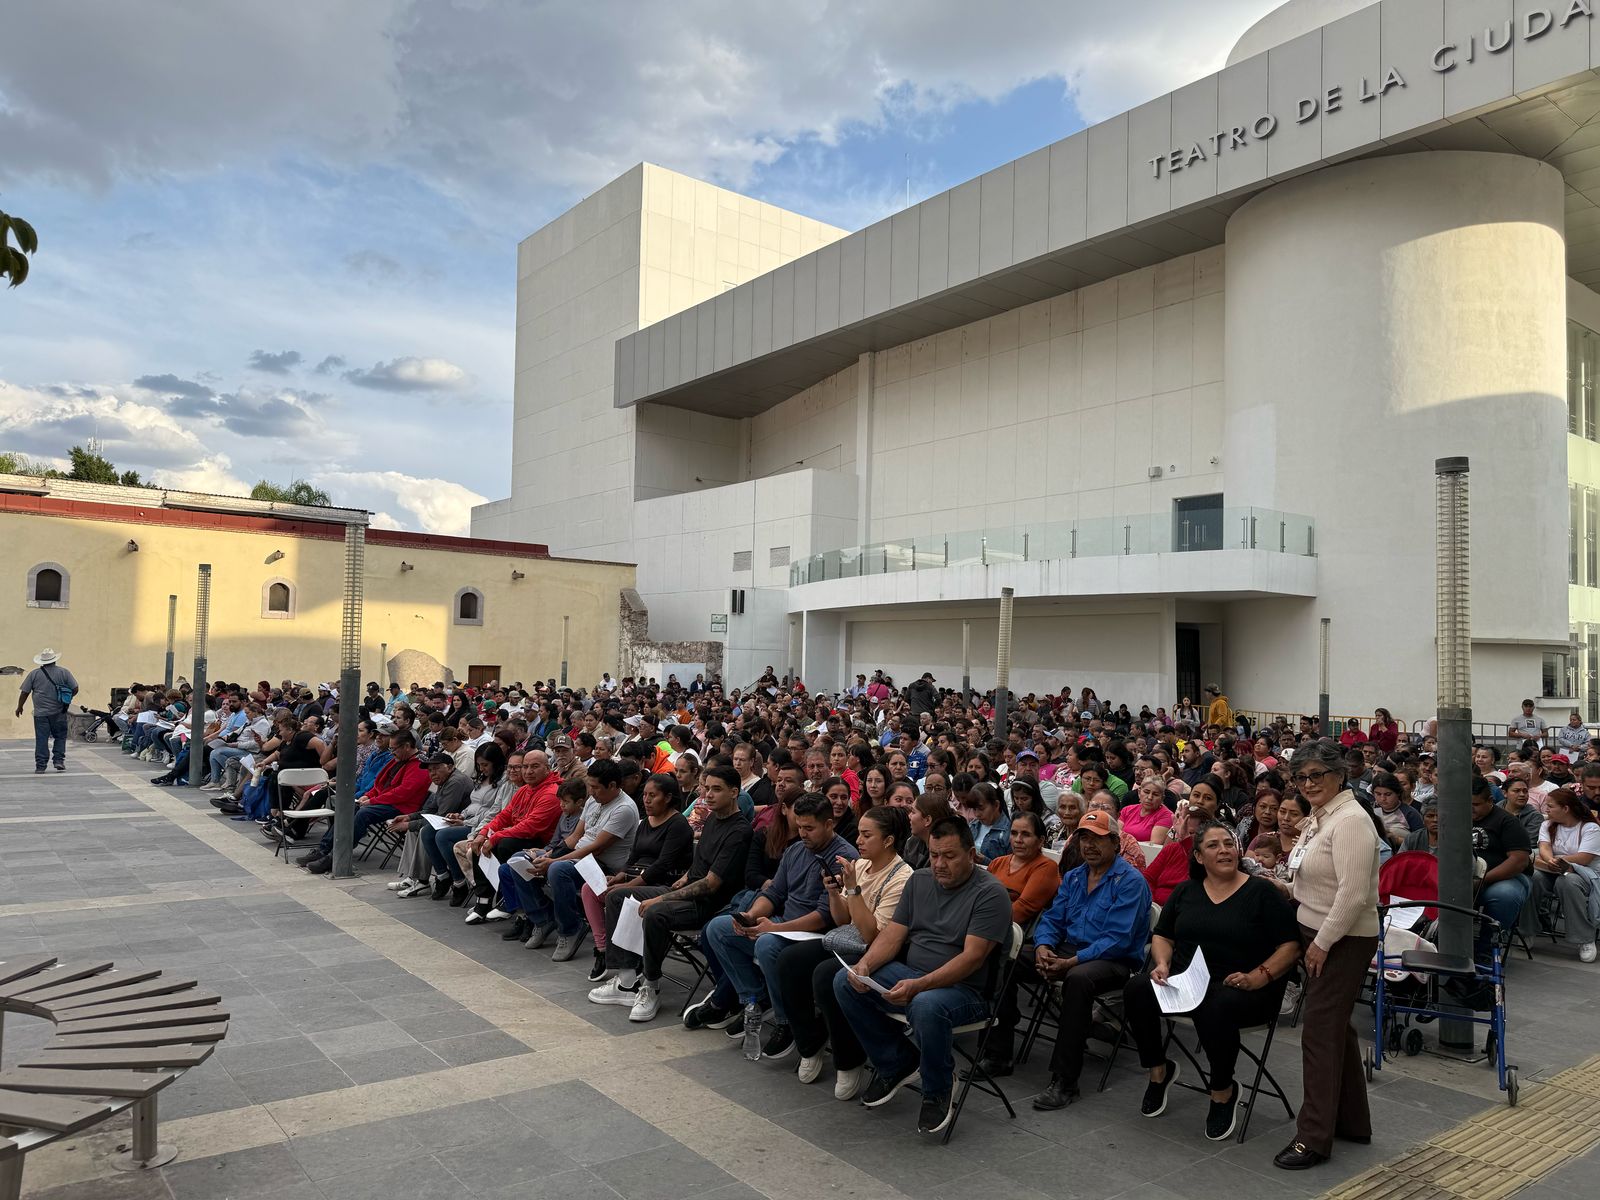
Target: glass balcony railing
x,y
1092,537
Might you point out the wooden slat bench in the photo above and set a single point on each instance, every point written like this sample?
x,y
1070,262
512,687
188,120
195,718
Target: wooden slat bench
x,y
121,1036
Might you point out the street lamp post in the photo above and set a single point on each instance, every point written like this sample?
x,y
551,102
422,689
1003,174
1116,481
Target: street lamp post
x,y
344,803
1002,666
1454,649
197,698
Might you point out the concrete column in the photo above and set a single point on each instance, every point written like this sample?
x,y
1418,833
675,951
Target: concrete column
x,y
1381,314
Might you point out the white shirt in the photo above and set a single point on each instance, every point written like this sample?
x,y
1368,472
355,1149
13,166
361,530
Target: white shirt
x,y
1572,839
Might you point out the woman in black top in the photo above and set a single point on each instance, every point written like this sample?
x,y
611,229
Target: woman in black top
x,y
1247,933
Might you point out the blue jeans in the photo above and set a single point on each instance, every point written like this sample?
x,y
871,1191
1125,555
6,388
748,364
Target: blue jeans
x,y
1502,900
932,1016
553,900
566,888
221,758
439,844
45,729
747,969
367,816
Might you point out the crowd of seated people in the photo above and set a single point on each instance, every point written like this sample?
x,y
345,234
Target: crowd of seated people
x,y
851,867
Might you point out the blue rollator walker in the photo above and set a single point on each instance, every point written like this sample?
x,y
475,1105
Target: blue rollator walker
x,y
1394,1004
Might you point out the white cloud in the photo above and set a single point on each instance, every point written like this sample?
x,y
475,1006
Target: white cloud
x,y
47,421
489,98
432,505
213,475
410,374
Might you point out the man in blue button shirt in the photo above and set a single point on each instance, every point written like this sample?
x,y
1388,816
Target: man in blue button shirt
x,y
1091,939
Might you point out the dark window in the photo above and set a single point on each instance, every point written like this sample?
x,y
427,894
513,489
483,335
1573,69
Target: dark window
x,y
468,606
47,586
278,598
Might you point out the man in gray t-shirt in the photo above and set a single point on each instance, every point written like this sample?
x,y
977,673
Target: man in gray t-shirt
x,y
51,687
931,964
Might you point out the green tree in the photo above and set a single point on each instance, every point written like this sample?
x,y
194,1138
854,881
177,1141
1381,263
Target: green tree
x,y
14,260
297,491
93,467
13,463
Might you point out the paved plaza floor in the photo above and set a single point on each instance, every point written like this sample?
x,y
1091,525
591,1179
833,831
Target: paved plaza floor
x,y
380,1048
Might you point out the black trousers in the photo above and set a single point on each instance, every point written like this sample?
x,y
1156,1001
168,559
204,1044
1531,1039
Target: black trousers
x,y
805,989
660,923
1079,987
1217,1022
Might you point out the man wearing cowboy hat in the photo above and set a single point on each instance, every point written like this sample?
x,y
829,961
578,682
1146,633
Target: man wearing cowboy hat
x,y
52,688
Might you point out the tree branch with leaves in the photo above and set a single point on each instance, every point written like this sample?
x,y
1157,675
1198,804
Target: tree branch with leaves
x,y
14,259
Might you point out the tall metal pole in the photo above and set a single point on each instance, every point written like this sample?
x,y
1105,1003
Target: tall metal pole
x,y
966,659
383,669
1002,666
197,698
1322,697
344,803
564,621
172,633
1454,790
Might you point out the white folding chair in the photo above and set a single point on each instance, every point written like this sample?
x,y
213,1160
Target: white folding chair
x,y
299,777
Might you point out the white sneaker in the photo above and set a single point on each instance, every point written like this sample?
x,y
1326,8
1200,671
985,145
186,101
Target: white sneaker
x,y
412,888
645,1007
612,992
810,1068
1586,952
403,881
846,1084
496,914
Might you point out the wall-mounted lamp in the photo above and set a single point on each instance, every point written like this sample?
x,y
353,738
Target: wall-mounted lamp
x,y
133,546
274,557
405,566
516,574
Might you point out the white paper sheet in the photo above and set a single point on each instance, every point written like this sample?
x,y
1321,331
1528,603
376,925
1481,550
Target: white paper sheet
x,y
521,866
491,870
436,821
1405,913
629,933
866,979
248,764
795,935
593,874
1183,992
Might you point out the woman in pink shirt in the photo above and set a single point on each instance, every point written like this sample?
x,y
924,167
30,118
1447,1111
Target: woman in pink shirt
x,y
1150,820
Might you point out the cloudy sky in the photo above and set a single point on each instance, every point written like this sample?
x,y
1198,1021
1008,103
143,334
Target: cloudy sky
x,y
278,240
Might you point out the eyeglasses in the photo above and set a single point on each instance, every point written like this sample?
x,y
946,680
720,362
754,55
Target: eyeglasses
x,y
1304,777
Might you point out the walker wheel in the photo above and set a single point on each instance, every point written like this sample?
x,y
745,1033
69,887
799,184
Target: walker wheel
x,y
1371,1053
1413,1043
1511,1086
1489,1044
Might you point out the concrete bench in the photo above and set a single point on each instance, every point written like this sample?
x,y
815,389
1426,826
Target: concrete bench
x,y
121,1036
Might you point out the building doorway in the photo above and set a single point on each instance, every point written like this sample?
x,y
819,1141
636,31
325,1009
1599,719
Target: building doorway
x,y
1188,663
1197,523
478,677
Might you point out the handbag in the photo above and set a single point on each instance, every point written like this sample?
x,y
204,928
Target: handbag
x,y
845,940
64,694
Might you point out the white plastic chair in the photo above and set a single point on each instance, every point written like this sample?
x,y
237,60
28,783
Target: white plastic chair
x,y
300,777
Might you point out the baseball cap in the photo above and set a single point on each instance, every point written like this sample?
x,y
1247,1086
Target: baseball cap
x,y
440,759
1029,754
1561,758
1098,823
560,742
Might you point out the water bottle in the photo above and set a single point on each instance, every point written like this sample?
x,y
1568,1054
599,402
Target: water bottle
x,y
752,1031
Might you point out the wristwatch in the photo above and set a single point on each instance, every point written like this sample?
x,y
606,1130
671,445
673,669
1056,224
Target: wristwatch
x,y
850,891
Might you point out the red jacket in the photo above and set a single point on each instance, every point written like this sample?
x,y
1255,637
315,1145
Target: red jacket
x,y
530,815
402,785
1170,868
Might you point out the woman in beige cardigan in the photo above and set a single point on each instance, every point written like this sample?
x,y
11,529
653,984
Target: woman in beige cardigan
x,y
1335,865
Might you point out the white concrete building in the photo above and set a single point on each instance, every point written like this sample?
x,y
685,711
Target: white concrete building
x,y
1179,379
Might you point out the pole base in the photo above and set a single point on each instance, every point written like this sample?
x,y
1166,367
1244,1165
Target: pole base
x,y
127,1162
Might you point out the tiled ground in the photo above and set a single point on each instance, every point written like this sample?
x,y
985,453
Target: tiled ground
x,y
365,1058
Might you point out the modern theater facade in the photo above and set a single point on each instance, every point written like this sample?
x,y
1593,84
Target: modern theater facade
x,y
1178,379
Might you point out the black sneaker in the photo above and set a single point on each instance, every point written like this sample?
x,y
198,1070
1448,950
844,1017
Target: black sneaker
x,y
305,860
779,1043
441,887
459,893
1155,1094
518,931
599,971
320,866
935,1114
1222,1119
1058,1095
709,1015
881,1090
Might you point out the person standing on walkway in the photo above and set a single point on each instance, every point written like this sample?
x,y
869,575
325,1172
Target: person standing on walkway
x,y
1335,865
52,688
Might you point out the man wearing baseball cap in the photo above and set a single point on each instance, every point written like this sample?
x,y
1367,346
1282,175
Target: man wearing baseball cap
x,y
564,761
1091,939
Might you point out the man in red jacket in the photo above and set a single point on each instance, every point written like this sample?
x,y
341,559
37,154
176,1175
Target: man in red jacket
x,y
399,790
528,819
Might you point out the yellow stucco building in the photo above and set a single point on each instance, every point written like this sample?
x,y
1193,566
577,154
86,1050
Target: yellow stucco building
x,y
87,569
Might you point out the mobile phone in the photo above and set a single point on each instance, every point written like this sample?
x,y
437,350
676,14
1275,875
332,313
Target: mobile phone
x,y
743,920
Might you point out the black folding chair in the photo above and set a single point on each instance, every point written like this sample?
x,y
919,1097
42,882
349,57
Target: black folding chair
x,y
1250,1094
975,1076
685,950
